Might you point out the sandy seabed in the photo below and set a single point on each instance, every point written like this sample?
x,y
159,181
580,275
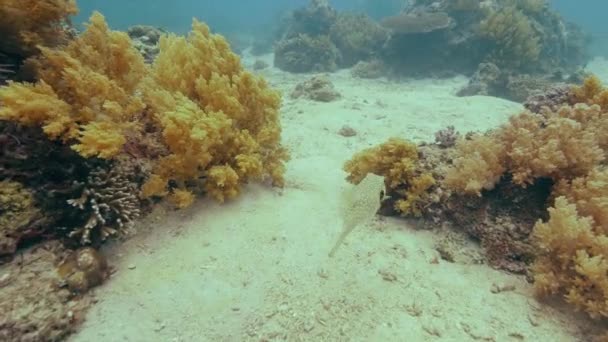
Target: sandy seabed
x,y
257,269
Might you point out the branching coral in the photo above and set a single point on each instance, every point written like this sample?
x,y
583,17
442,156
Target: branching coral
x,y
110,204
86,93
219,122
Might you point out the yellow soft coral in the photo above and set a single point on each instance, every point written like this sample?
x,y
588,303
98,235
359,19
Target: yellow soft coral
x,y
86,95
564,144
573,257
397,161
219,122
592,92
556,147
27,24
479,166
415,194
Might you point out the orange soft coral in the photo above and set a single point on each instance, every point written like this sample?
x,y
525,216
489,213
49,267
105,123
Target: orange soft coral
x,y
86,95
219,122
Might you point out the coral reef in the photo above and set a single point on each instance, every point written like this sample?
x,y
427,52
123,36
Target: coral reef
x,y
318,88
317,38
305,53
357,37
443,38
490,80
516,44
33,307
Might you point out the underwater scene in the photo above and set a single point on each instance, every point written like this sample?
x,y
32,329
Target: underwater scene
x,y
303,170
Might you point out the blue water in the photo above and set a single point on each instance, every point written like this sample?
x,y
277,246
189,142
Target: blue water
x,y
228,16
222,16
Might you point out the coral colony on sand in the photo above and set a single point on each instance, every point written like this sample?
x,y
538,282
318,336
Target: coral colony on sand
x,y
97,127
534,191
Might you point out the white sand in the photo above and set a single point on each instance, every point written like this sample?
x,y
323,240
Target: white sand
x,y
256,269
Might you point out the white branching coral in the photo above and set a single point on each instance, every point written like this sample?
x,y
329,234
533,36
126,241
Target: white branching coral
x,y
110,199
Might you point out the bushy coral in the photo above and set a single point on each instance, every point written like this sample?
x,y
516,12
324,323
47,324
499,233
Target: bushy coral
x,y
573,254
591,92
219,122
86,93
478,165
397,161
557,145
26,24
